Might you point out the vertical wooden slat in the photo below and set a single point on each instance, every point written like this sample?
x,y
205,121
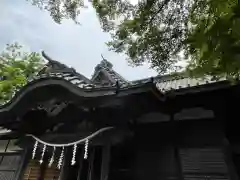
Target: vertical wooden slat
x,y
176,141
42,170
178,161
91,165
52,173
32,171
105,161
81,159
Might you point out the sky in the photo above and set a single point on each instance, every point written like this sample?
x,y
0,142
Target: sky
x,y
78,46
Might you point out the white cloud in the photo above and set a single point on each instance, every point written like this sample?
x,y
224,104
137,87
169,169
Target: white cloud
x,y
77,46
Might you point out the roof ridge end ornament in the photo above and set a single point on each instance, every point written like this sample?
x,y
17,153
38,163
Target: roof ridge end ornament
x,y
117,87
51,61
152,79
46,56
103,58
105,63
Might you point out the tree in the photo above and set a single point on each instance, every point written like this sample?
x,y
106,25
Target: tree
x,y
60,9
215,41
15,67
158,31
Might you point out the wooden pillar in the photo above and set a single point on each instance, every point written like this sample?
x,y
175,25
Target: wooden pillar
x,y
81,159
105,162
176,145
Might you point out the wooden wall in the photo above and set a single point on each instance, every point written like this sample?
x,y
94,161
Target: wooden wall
x,y
174,150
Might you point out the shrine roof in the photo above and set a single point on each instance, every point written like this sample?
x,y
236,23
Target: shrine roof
x,y
113,82
105,82
169,83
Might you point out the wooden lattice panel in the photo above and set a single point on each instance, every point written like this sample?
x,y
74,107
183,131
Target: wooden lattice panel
x,y
203,164
8,166
10,162
5,175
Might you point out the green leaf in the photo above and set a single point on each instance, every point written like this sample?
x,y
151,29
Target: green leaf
x,y
16,66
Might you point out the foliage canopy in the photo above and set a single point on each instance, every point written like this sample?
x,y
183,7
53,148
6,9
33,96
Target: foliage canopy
x,y
158,31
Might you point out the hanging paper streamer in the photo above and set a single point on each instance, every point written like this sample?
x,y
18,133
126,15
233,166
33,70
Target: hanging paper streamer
x,y
86,149
74,144
34,150
73,162
42,155
61,159
52,157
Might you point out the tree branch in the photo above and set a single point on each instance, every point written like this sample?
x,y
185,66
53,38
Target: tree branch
x,y
159,10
